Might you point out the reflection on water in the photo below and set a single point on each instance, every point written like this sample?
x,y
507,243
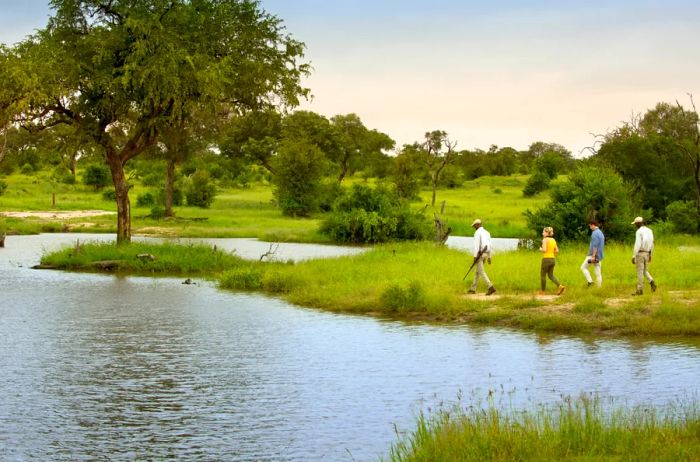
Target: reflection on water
x,y
102,367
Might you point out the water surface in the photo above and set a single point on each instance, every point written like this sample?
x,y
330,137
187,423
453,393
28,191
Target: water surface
x,y
121,368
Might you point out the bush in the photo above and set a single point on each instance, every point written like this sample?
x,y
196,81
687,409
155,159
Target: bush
x,y
157,213
3,187
145,200
367,215
109,195
537,183
97,176
592,192
27,169
683,216
200,192
398,299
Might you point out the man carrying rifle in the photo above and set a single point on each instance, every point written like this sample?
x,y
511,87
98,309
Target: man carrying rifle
x,y
482,253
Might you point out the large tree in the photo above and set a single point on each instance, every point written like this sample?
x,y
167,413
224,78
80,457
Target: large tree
x,y
118,71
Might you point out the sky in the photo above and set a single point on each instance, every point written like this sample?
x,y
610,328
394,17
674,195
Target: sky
x,y
504,73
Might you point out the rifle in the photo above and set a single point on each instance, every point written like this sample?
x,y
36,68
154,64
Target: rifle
x,y
476,259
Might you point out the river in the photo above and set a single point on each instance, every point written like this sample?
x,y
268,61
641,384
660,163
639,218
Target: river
x,y
102,367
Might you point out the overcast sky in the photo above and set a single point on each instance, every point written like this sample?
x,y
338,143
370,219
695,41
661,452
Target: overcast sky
x,y
507,73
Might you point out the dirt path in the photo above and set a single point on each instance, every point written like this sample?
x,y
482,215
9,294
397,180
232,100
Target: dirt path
x,y
58,215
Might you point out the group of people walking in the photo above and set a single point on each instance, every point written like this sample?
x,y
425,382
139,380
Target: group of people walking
x,y
641,257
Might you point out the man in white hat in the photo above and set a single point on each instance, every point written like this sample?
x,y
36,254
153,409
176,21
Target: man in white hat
x,y
641,256
482,253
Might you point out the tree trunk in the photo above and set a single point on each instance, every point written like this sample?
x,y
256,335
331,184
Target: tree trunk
x,y
169,186
435,185
121,188
73,163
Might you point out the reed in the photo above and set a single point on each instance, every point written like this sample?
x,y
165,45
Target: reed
x,y
574,430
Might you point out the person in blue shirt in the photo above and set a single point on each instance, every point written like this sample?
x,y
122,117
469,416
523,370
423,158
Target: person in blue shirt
x,y
595,255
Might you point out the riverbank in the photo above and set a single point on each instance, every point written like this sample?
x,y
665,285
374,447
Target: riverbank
x,y
419,281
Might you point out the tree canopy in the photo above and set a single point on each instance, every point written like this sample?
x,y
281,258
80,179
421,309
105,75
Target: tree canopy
x,y
120,71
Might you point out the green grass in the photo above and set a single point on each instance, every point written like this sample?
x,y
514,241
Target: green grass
x,y
245,212
578,430
498,201
145,259
421,281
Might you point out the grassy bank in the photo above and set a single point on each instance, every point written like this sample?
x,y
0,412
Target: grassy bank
x,y
572,431
421,281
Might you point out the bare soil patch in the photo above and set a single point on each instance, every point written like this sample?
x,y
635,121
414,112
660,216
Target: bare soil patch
x,y
58,214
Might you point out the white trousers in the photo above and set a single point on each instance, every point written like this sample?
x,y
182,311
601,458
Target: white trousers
x,y
596,269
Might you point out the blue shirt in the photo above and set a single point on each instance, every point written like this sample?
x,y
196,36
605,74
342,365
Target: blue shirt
x,y
598,243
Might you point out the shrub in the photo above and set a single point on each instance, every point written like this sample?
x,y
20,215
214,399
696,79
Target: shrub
x,y
97,176
367,215
537,183
3,187
591,192
683,216
200,191
157,212
399,299
27,169
178,196
145,200
109,195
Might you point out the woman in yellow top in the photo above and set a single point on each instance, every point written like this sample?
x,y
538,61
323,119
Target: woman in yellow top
x,y
550,249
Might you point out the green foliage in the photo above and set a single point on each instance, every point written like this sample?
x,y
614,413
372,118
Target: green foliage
x,y
27,169
200,192
591,192
145,200
3,187
683,216
367,215
538,182
157,212
398,299
97,176
298,168
109,195
406,175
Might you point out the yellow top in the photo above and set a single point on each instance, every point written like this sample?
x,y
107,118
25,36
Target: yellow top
x,y
550,247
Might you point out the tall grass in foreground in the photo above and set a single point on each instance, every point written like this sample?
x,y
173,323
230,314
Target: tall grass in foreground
x,y
578,430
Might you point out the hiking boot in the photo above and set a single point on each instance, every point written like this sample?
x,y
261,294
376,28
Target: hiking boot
x,y
561,290
653,286
588,285
491,290
541,292
638,292
471,291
